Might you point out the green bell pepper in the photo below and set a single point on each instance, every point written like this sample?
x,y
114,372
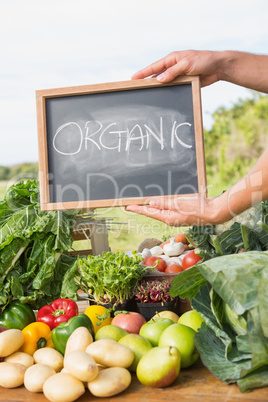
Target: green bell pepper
x,y
17,315
63,331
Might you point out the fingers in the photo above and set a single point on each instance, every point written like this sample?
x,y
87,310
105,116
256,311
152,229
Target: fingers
x,y
169,217
183,205
142,209
157,68
153,69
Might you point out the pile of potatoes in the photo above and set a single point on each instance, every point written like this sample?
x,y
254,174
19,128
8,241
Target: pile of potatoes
x,y
99,366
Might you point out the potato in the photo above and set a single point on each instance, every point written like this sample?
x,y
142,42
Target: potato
x,y
11,374
79,340
20,357
36,375
110,382
49,356
10,341
110,353
63,387
81,365
64,370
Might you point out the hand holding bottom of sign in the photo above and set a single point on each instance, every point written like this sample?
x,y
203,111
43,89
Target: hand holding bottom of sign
x,y
182,211
199,210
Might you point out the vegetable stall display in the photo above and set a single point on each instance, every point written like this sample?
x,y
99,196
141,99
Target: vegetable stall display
x,y
226,283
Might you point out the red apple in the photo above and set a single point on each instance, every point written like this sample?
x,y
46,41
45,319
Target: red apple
x,y
130,321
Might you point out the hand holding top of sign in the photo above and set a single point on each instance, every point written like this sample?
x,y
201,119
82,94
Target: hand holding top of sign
x,y
241,68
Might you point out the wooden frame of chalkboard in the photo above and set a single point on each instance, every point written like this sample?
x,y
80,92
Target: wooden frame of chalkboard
x,y
120,143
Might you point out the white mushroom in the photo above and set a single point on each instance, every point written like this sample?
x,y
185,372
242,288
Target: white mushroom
x,y
173,249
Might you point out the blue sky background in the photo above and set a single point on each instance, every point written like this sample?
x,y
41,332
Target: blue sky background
x,y
61,43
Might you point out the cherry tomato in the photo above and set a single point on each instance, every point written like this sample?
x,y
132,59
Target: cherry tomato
x,y
173,268
156,262
190,259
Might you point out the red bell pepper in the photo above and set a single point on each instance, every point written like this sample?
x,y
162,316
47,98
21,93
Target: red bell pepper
x,y
60,310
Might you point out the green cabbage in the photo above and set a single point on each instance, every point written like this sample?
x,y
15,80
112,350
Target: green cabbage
x,y
233,340
235,321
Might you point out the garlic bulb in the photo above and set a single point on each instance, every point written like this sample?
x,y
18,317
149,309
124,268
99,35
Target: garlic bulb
x,y
173,249
146,253
156,250
175,260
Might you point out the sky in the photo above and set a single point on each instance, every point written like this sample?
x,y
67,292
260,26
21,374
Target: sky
x,y
62,43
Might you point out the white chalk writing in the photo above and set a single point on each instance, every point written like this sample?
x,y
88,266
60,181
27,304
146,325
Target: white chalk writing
x,y
110,137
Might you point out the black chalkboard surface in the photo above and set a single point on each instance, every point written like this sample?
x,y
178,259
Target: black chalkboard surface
x,y
120,143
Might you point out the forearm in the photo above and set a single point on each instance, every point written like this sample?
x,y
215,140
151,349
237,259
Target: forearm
x,y
249,191
245,69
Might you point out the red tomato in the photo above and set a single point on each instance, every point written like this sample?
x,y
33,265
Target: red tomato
x,y
173,268
156,262
190,259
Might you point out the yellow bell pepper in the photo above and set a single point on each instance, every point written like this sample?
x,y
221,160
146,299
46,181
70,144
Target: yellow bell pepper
x,y
36,335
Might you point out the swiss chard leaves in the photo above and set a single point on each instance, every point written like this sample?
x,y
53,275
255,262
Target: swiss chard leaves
x,y
31,243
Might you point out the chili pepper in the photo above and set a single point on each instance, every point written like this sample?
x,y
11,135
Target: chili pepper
x,y
62,332
60,310
17,315
37,335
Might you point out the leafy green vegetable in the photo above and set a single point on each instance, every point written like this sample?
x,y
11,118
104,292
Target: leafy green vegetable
x,y
230,293
236,322
248,231
110,277
33,244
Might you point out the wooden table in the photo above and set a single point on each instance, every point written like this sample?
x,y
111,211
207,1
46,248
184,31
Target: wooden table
x,y
194,384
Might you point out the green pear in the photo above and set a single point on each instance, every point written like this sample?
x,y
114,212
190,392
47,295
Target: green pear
x,y
192,319
159,367
139,346
110,332
153,329
166,314
182,337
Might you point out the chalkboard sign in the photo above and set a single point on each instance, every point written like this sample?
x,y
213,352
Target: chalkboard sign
x,y
119,143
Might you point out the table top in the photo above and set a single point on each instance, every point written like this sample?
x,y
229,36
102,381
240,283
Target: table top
x,y
193,384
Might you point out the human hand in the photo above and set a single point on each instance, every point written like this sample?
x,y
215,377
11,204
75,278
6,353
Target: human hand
x,y
186,62
181,211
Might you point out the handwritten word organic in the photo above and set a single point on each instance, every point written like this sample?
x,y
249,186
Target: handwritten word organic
x,y
98,136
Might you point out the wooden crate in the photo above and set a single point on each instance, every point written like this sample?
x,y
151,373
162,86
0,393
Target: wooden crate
x,y
93,230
